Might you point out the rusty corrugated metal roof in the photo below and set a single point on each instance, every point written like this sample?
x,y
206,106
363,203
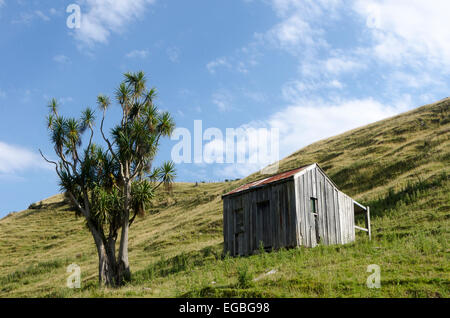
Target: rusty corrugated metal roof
x,y
277,177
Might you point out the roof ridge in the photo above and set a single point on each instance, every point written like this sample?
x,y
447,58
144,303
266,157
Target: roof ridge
x,y
255,183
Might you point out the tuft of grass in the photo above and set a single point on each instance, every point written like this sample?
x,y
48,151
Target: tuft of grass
x,y
245,278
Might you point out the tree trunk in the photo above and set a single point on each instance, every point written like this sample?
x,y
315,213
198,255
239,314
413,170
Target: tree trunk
x,y
107,266
123,266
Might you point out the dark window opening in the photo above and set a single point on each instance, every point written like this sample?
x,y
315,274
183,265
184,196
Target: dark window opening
x,y
314,206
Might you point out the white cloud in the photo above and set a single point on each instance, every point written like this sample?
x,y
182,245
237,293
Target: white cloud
x,y
223,100
142,54
100,18
337,65
15,159
295,89
306,122
2,3
301,28
61,59
2,93
310,8
415,79
295,35
255,96
299,32
413,32
24,18
41,15
28,17
211,66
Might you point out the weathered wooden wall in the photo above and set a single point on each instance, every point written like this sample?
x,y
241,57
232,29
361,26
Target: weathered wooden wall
x,y
335,210
274,225
279,215
347,218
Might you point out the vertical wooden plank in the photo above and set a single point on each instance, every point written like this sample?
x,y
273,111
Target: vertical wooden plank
x,y
300,210
247,224
224,225
308,193
323,209
332,207
285,210
276,196
312,238
319,204
349,220
284,219
285,198
253,214
232,245
271,218
338,221
290,210
274,214
288,216
368,227
305,209
345,220
297,211
341,212
352,215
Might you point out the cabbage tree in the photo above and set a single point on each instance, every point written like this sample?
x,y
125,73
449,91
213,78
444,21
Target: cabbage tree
x,y
110,185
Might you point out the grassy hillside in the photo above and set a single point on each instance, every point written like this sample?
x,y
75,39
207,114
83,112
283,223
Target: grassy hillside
x,y
399,166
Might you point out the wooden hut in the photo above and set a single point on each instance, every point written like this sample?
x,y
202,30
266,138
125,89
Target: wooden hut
x,y
300,207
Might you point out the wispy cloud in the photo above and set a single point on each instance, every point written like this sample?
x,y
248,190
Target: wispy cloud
x,y
223,100
293,90
142,54
101,18
219,62
174,54
62,59
28,17
42,15
15,159
300,30
294,33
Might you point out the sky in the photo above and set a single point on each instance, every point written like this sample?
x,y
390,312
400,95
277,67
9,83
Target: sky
x,y
305,69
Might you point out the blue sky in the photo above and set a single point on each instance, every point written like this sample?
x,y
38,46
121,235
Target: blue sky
x,y
310,69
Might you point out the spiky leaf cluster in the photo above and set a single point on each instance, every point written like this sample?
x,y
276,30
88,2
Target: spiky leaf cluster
x,y
96,177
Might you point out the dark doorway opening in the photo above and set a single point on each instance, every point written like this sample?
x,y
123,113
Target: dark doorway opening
x,y
263,225
315,213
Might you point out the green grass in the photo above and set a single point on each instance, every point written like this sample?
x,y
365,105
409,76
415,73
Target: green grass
x,y
399,166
